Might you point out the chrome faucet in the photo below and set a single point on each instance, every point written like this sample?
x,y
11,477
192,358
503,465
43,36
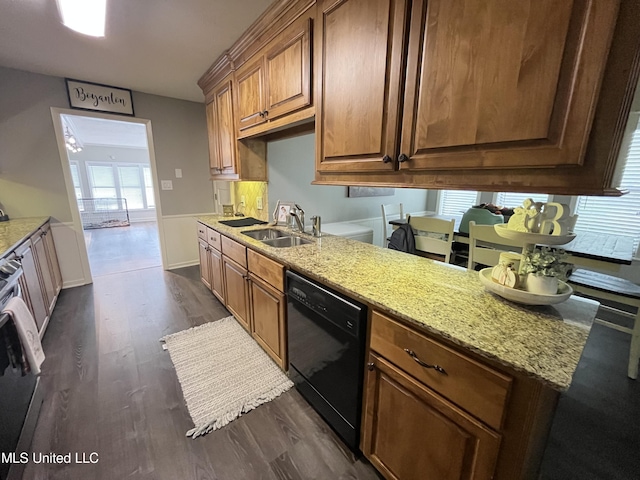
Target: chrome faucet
x,y
301,215
298,216
315,226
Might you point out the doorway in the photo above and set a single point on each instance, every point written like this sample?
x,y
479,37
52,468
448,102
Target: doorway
x,y
112,191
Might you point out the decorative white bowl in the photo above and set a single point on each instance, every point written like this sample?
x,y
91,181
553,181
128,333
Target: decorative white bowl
x,y
533,238
522,296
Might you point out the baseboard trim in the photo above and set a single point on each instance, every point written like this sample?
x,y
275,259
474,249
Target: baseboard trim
x,y
75,283
190,263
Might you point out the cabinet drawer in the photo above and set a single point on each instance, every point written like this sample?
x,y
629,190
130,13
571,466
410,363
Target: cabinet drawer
x,y
234,250
202,231
478,389
265,268
213,239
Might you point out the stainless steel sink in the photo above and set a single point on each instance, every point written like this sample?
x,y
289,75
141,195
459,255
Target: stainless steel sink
x,y
266,234
288,241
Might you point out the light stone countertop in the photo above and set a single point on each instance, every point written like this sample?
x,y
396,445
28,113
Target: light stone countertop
x,y
544,342
15,231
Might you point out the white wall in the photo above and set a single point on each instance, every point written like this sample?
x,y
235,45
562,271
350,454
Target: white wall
x,y
31,178
291,166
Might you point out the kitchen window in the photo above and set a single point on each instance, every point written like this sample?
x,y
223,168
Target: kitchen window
x,y
456,202
513,199
619,215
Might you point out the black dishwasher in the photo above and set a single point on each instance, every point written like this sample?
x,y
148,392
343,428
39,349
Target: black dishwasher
x,y
326,334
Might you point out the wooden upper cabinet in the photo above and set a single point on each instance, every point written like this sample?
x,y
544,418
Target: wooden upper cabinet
x,y
288,70
358,83
251,94
277,81
499,84
221,127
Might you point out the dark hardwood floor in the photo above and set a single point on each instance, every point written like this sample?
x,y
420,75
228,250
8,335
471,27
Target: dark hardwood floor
x,y
111,389
123,249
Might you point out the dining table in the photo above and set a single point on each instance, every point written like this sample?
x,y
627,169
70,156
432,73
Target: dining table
x,y
603,251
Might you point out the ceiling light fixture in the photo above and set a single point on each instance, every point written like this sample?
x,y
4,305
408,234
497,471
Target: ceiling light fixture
x,y
72,144
84,16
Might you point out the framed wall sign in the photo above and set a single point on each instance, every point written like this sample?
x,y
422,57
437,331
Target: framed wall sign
x,y
99,98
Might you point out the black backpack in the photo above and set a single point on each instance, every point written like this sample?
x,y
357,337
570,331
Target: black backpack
x,y
402,239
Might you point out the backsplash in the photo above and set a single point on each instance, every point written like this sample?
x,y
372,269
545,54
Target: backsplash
x,y
251,191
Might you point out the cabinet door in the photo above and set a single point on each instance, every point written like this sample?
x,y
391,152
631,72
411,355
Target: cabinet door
x,y
288,70
205,271
214,155
37,296
52,257
251,102
268,307
225,136
237,301
46,277
499,84
411,433
358,76
217,276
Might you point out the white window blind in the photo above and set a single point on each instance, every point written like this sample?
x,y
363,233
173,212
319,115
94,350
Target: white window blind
x,y
103,184
512,199
619,215
131,181
456,202
75,176
148,186
131,185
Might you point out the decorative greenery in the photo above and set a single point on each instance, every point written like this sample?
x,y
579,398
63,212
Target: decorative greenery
x,y
547,262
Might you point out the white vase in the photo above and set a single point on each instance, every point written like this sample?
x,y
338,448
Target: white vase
x,y
542,285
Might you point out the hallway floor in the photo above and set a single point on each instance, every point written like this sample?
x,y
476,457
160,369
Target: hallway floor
x,y
123,249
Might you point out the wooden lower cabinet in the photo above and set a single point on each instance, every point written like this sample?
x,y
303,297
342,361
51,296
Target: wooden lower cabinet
x,y
205,271
412,433
268,310
41,280
52,258
31,283
217,274
237,291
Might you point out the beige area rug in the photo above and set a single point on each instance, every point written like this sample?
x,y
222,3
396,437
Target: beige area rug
x,y
223,373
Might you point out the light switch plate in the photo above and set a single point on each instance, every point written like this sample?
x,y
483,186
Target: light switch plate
x,y
166,185
178,173
259,203
242,200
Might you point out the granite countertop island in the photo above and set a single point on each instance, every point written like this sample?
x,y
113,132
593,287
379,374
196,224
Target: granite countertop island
x,y
14,232
543,342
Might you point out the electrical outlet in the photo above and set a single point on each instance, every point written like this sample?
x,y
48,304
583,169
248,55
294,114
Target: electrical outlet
x,y
259,203
166,185
242,200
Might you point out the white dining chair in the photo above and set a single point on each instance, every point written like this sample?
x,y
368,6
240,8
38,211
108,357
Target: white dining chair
x,y
433,236
485,245
391,211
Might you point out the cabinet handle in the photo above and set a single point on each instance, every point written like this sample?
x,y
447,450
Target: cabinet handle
x,y
265,113
261,114
402,158
371,366
437,368
386,159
